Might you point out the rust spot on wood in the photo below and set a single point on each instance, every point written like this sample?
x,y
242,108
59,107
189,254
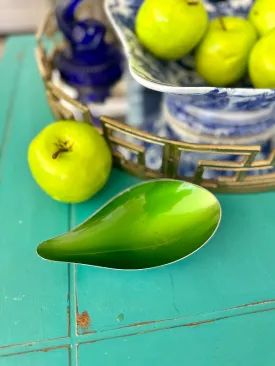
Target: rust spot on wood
x,y
144,323
52,348
46,350
196,324
139,324
87,332
83,320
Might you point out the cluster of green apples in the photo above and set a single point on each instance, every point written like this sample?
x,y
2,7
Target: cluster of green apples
x,y
225,48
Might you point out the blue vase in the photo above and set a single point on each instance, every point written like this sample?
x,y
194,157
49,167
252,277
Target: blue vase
x,y
88,63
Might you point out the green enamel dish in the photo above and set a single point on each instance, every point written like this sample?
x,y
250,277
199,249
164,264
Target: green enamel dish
x,y
148,225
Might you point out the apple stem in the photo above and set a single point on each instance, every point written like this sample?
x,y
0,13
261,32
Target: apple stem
x,y
60,150
222,23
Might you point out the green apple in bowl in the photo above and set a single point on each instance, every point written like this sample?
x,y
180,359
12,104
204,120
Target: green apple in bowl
x,y
262,16
222,56
70,161
172,28
262,62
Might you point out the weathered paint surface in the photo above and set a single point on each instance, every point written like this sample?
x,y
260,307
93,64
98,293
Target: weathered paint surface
x,y
214,308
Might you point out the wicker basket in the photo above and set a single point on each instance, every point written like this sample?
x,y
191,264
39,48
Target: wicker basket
x,y
49,41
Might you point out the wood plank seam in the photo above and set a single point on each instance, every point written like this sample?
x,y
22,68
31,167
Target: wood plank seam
x,y
72,296
135,329
195,318
38,346
146,331
39,350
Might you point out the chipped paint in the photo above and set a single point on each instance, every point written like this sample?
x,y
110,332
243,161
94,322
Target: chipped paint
x,y
120,317
19,298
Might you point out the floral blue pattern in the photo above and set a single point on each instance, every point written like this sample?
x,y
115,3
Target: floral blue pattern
x,y
146,115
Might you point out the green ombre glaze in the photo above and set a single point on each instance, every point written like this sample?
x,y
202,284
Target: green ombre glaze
x,y
148,225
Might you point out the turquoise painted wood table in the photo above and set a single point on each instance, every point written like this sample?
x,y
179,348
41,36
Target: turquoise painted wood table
x,y
217,307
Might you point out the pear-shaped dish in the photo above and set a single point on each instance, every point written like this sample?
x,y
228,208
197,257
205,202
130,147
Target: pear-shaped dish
x,y
148,225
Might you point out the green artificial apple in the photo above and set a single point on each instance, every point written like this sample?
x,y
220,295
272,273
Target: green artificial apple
x,y
262,16
170,29
70,161
222,56
262,62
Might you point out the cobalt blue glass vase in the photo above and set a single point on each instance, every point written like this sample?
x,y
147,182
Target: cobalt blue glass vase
x,y
89,64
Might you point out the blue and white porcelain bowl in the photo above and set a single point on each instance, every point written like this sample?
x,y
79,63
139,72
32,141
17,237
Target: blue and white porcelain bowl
x,y
219,112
